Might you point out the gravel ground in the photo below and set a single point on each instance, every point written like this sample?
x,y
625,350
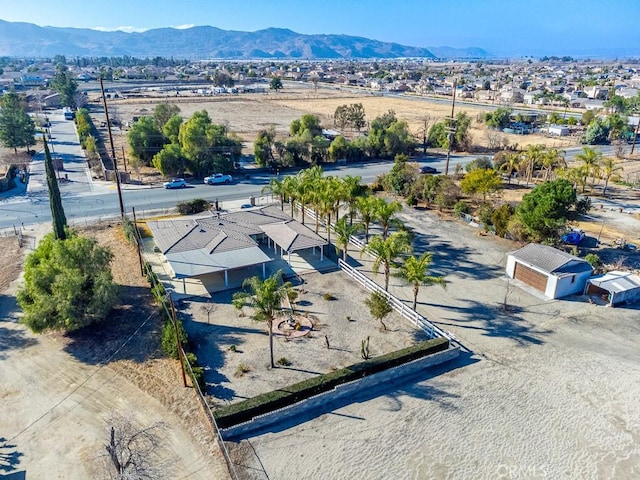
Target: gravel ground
x,y
548,390
345,321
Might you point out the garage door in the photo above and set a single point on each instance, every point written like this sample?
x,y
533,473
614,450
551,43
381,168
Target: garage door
x,y
531,277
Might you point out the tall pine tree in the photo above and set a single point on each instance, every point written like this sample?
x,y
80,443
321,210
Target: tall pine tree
x,y
55,201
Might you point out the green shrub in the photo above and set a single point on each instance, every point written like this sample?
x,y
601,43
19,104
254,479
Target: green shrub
x,y
169,338
196,369
246,410
241,369
485,214
593,260
191,207
129,229
461,208
283,362
328,297
501,217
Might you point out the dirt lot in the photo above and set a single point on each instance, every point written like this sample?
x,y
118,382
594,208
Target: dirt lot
x,y
345,321
548,389
57,390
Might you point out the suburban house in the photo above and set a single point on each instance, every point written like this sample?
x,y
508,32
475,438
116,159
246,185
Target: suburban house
x,y
552,272
210,247
615,287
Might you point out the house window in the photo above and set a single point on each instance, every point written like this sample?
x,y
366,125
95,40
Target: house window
x,y
573,279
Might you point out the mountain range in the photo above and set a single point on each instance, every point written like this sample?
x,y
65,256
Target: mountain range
x,y
19,39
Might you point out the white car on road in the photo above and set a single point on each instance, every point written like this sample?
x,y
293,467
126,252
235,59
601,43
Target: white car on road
x,y
218,178
175,183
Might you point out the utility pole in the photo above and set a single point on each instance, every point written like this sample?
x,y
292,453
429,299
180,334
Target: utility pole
x,y
451,129
138,238
124,160
113,149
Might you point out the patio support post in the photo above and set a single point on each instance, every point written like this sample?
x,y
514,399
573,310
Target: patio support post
x,y
264,271
289,258
226,278
184,285
321,253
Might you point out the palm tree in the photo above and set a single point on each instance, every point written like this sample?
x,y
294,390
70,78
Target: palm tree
x,y
353,190
344,231
511,165
386,250
277,187
309,180
385,212
532,158
609,171
551,160
415,270
265,297
590,157
367,208
291,187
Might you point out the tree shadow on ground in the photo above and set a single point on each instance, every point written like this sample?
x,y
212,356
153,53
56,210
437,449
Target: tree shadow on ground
x,y
13,339
212,344
453,260
495,321
131,331
415,386
9,458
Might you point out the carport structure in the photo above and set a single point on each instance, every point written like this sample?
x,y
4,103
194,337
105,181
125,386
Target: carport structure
x,y
616,287
201,246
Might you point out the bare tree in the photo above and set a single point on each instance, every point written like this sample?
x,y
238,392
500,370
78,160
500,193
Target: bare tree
x,y
134,453
208,308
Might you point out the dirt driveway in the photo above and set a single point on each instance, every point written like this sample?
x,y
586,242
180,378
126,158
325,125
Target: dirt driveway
x,y
549,389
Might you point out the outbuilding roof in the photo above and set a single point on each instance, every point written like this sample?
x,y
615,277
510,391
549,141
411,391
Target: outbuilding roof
x,y
550,260
616,281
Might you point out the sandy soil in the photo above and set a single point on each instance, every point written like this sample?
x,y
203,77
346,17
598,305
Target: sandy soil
x,y
345,321
58,390
547,391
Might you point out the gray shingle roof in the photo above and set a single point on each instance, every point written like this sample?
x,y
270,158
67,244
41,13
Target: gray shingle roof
x,y
203,244
550,260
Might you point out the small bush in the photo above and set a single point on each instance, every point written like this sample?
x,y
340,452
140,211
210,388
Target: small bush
x,y
169,338
196,369
593,260
233,348
283,362
329,297
461,208
197,205
241,369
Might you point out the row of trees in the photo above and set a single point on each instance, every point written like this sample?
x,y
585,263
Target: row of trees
x,y
306,145
327,196
174,146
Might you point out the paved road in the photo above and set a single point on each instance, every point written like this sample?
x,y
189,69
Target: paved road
x,y
84,198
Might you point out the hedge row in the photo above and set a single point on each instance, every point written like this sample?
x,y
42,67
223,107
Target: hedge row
x,y
268,402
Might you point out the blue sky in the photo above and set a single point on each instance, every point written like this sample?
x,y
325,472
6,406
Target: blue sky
x,y
500,26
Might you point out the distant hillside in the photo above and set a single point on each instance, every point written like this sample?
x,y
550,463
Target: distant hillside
x,y
28,40
463,53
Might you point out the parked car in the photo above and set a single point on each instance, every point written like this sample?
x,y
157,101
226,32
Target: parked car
x,y
428,170
175,183
218,178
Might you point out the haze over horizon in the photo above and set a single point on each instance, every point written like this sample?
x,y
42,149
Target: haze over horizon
x,y
502,27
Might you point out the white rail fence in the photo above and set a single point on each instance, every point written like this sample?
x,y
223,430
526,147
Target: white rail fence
x,y
407,312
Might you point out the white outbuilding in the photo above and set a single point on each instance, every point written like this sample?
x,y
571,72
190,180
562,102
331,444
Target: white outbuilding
x,y
552,272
